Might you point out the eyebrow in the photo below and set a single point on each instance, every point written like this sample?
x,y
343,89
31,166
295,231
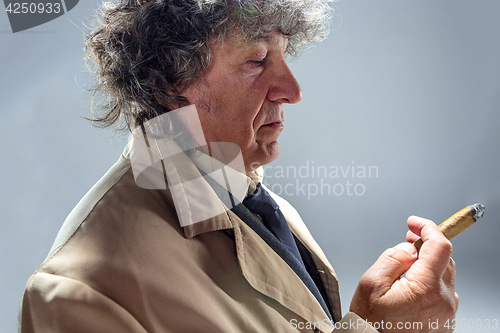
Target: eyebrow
x,y
267,39
262,38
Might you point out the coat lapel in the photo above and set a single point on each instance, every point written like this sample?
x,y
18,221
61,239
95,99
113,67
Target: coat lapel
x,y
270,269
327,273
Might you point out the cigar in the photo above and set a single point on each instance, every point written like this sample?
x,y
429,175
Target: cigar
x,y
458,222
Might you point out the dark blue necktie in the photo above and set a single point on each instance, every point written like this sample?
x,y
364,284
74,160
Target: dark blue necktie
x,y
261,203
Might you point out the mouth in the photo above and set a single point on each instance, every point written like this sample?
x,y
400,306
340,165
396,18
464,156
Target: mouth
x,y
276,124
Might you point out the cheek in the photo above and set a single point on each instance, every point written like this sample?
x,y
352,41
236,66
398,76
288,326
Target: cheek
x,y
256,99
245,129
240,131
239,102
248,117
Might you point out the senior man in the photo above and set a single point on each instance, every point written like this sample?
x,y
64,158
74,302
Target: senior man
x,y
159,248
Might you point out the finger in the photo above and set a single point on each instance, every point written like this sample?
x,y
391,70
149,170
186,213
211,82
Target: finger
x,y
407,247
449,276
419,225
411,237
389,267
435,253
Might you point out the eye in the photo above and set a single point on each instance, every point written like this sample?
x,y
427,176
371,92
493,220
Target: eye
x,y
255,63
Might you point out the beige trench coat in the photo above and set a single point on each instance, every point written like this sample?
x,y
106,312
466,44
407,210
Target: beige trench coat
x,y
122,263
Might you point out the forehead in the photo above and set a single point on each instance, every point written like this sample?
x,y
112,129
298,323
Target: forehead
x,y
238,43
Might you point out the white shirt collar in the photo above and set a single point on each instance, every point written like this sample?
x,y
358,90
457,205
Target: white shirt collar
x,y
208,165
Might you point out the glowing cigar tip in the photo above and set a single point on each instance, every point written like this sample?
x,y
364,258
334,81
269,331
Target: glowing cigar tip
x,y
478,211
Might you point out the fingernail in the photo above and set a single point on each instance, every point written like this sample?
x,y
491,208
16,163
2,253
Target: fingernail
x,y
408,247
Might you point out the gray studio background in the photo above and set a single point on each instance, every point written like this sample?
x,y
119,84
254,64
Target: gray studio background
x,y
411,87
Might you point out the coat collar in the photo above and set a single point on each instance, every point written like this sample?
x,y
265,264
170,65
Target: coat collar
x,y
158,162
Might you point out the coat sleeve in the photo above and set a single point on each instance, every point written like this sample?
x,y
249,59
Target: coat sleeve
x,y
57,304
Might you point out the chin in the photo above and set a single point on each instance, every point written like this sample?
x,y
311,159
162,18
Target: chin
x,y
264,156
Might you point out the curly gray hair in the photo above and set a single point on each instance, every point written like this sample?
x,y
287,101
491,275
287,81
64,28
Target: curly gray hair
x,y
146,51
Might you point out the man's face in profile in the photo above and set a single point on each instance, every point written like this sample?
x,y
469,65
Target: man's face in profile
x,y
240,96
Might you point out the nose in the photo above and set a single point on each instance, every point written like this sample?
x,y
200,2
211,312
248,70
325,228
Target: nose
x,y
285,88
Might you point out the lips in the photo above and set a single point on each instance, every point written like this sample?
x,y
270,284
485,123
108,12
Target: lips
x,y
276,124
269,132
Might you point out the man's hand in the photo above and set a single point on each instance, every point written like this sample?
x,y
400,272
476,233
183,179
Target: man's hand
x,y
426,294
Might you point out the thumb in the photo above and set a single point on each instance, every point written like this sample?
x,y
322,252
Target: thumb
x,y
391,264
